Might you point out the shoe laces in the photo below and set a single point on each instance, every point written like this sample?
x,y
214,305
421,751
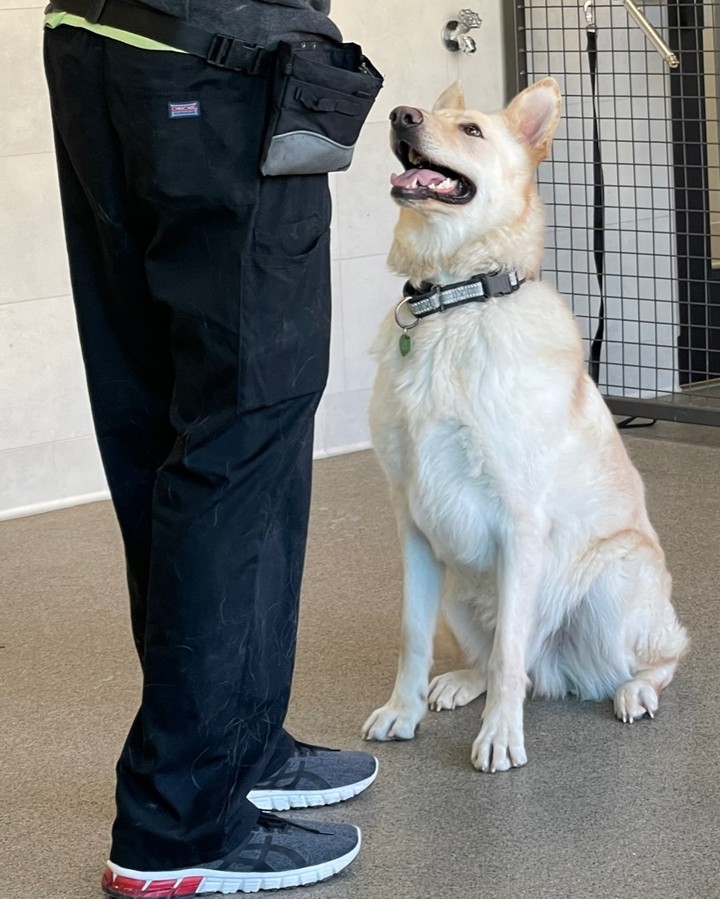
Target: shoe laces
x,y
273,822
268,824
309,749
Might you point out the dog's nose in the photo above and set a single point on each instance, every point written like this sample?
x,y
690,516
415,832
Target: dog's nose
x,y
406,117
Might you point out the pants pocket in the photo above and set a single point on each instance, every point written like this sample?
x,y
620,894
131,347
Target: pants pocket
x,y
285,313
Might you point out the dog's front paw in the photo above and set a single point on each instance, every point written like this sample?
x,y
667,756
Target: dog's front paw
x,y
500,745
455,689
635,699
393,721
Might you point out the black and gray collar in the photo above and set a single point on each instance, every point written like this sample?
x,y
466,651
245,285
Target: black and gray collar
x,y
429,298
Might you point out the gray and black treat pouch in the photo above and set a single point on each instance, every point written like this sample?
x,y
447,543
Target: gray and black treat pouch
x,y
321,95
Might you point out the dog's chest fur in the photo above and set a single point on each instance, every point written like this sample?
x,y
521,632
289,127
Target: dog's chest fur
x,y
476,425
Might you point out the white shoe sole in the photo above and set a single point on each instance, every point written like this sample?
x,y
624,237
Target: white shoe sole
x,y
189,882
282,800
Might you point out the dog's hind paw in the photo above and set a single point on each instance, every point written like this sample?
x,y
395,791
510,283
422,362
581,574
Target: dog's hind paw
x,y
391,723
455,689
635,699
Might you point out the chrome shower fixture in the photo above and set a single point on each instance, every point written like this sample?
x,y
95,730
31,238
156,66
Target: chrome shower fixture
x,y
455,33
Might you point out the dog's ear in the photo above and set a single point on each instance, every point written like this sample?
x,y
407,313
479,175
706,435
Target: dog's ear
x,y
534,115
452,98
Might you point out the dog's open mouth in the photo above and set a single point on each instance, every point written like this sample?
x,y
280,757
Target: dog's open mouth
x,y
424,180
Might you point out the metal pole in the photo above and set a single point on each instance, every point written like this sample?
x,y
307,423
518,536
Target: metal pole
x,y
651,34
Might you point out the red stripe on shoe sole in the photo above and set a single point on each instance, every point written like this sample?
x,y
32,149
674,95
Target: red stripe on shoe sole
x,y
134,888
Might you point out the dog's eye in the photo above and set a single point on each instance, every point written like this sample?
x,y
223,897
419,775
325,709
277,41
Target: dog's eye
x,y
472,129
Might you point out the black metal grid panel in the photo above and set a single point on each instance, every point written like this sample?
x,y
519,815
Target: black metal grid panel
x,y
658,152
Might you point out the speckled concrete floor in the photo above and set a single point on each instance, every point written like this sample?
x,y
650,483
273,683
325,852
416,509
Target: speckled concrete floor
x,y
602,810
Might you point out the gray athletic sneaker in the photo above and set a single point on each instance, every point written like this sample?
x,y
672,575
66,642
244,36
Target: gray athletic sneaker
x,y
277,853
315,776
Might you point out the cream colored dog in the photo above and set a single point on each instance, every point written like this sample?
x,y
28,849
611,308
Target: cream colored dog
x,y
521,516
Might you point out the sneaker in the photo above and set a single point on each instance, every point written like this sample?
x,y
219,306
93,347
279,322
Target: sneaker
x,y
315,776
277,853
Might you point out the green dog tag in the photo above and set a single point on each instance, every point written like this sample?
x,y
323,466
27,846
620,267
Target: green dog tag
x,y
404,343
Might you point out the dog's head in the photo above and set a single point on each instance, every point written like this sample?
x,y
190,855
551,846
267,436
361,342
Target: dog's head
x,y
471,173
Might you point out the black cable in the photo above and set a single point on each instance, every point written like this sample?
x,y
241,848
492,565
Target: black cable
x,y
628,423
599,229
598,211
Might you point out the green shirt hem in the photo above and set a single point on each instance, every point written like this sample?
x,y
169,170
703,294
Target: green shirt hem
x,y
54,19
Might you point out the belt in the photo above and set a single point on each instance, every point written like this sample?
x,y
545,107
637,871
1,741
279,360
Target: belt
x,y
217,49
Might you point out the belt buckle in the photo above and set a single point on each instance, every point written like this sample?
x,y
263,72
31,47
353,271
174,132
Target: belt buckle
x,y
223,48
219,49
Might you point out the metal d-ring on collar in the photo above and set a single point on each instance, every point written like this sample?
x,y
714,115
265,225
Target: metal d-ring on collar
x,y
410,294
415,321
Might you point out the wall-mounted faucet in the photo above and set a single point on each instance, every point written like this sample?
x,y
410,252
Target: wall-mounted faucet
x,y
455,34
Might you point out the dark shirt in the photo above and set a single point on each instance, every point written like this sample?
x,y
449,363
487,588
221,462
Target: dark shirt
x,y
261,22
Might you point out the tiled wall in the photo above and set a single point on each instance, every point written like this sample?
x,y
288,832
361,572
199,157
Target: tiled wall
x,y
402,38
47,448
48,456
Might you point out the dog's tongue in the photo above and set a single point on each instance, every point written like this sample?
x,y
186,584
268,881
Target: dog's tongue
x,y
417,178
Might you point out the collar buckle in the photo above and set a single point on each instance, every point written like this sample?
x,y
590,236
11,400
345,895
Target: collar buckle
x,y
500,284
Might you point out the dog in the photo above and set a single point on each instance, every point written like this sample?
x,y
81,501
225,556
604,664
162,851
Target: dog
x,y
521,516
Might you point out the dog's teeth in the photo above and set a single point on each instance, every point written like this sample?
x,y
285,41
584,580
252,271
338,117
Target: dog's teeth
x,y
446,186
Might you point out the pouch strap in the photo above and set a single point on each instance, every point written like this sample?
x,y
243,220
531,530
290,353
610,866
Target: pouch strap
x,y
217,49
320,103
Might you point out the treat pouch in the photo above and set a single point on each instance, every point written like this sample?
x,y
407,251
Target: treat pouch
x,y
321,96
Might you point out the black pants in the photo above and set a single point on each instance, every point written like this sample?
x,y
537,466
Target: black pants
x,y
202,293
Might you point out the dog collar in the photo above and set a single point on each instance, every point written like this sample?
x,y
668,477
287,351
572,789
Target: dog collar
x,y
429,298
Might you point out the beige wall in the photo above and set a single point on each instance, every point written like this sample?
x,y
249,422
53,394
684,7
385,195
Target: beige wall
x,y
403,40
48,456
47,450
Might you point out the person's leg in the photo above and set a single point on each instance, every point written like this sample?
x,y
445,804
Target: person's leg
x,y
228,544
172,254
124,334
